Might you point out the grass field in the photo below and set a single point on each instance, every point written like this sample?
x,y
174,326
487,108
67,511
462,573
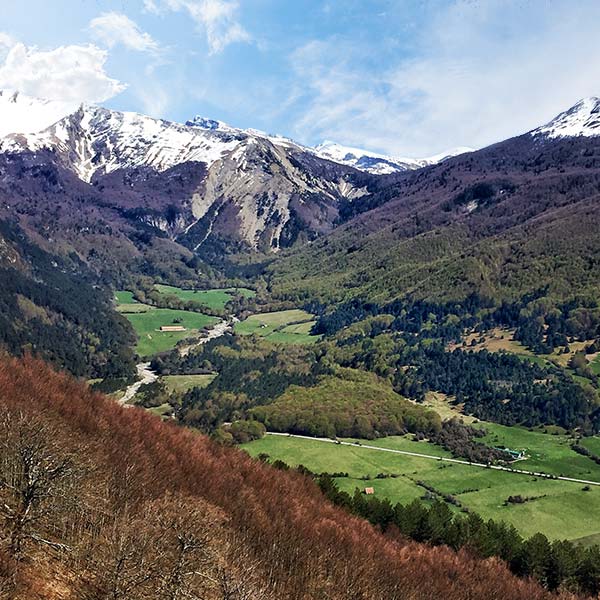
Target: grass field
x,y
442,405
182,383
548,453
216,298
285,326
126,303
125,297
592,444
560,509
147,325
126,309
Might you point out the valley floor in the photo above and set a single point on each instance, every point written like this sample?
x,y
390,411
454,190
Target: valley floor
x,y
400,476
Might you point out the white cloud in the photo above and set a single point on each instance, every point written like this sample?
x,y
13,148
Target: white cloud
x,y
70,73
6,40
481,72
216,18
115,28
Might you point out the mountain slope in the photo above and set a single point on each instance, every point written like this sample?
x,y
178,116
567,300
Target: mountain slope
x,y
41,311
254,191
502,221
149,510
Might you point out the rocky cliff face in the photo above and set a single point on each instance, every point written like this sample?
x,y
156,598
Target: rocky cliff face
x,y
247,189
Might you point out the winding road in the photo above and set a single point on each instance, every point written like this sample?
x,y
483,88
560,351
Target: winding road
x,y
438,458
221,328
146,375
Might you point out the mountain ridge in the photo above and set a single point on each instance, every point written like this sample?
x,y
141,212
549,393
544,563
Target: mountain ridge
x,y
33,124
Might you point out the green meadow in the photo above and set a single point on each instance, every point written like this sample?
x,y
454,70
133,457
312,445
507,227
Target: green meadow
x,y
592,444
215,299
284,326
125,297
481,490
550,453
183,383
147,326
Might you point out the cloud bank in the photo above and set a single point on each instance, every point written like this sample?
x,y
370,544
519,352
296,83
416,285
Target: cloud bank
x,y
479,72
69,73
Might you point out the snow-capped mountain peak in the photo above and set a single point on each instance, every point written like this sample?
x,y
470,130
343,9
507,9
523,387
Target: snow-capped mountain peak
x,y
582,119
20,113
379,164
208,124
94,140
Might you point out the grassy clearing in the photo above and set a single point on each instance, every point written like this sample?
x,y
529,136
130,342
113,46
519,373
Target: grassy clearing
x,y
126,303
499,339
163,411
548,453
147,325
284,326
125,309
125,297
592,444
495,340
216,298
561,509
441,404
183,383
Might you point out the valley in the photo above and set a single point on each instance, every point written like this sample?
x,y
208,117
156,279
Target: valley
x,y
427,331
300,300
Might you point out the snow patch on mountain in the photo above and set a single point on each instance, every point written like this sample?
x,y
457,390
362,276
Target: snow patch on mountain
x,y
96,140
582,119
20,113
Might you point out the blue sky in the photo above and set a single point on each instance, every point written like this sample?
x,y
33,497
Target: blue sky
x,y
405,77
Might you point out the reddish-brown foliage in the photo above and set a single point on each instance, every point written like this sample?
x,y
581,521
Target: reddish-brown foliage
x,y
297,544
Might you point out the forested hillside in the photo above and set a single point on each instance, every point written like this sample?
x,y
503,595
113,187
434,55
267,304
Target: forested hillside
x,y
501,222
99,501
52,306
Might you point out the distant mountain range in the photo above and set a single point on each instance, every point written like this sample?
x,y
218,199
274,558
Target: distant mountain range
x,y
380,164
82,129
91,198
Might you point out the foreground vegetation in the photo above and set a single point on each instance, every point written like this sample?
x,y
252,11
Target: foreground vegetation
x,y
124,506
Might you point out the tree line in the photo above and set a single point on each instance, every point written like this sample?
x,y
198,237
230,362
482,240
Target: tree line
x,y
557,565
